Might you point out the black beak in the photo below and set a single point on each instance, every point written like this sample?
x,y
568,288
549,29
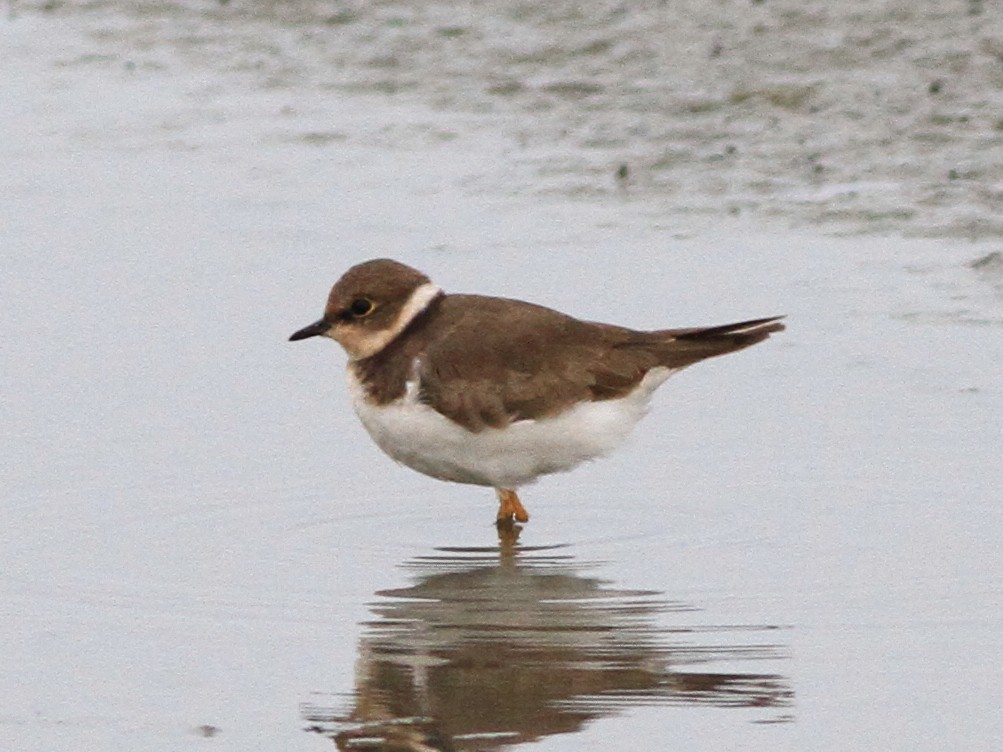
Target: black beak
x,y
315,329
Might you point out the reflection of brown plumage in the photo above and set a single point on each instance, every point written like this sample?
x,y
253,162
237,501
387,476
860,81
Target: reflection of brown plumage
x,y
481,657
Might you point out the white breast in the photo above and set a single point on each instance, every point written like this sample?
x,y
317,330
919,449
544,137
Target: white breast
x,y
417,436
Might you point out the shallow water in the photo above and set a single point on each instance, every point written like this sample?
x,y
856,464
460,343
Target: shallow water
x,y
489,648
799,549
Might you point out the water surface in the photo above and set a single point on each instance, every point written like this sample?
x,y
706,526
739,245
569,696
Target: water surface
x,y
200,546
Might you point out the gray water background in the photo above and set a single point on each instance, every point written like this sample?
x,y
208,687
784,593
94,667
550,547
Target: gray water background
x,y
798,550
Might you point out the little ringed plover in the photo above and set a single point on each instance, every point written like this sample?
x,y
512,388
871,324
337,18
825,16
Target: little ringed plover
x,y
497,392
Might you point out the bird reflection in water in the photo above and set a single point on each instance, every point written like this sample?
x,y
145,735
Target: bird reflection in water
x,y
496,647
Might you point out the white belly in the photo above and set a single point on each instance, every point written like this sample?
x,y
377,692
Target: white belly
x,y
417,436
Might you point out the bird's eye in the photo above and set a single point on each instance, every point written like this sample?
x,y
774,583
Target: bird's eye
x,y
361,307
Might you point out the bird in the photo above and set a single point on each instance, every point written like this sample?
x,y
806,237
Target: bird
x,y
498,392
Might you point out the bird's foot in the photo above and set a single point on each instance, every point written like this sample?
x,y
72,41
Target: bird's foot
x,y
509,506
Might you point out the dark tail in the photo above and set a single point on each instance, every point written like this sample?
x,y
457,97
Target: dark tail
x,y
744,333
682,347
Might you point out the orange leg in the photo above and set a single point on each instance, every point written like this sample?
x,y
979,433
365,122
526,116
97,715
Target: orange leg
x,y
510,507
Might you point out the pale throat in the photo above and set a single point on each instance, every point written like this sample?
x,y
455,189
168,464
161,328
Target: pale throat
x,y
364,344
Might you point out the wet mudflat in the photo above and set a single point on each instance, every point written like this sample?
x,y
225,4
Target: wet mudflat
x,y
200,546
